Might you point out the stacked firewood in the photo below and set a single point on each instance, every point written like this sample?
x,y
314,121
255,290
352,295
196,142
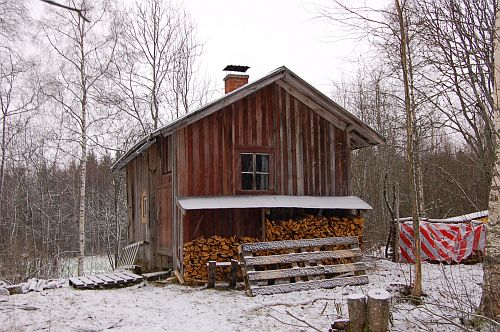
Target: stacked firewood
x,y
310,227
198,252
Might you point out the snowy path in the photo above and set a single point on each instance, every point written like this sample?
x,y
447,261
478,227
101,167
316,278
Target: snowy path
x,y
182,308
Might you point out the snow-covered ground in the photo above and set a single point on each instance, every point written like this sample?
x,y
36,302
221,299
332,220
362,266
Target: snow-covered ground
x,y
453,292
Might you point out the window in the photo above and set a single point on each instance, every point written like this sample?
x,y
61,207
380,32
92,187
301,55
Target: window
x,y
254,171
166,164
144,207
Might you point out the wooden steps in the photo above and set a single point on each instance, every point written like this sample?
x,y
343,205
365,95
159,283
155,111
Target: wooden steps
x,y
296,265
112,279
153,276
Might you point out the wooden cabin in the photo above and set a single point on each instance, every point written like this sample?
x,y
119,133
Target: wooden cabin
x,y
274,145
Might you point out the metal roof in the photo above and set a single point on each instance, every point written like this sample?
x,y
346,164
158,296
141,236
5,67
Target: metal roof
x,y
272,201
357,128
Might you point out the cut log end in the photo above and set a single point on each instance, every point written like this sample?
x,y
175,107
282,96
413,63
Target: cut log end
x,y
379,294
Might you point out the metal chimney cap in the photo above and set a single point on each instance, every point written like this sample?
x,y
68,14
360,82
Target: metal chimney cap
x,y
237,68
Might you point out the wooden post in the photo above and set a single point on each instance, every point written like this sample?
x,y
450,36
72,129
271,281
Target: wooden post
x,y
395,245
233,273
356,304
211,274
379,303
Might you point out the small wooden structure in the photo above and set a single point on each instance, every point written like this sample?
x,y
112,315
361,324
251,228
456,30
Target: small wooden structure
x,y
233,265
277,138
112,279
265,274
128,255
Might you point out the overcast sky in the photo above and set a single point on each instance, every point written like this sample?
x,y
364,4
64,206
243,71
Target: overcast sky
x,y
265,34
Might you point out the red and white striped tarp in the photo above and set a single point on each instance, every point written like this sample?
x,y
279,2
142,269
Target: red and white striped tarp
x,y
443,241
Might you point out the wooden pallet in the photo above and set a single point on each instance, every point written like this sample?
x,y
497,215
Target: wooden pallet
x,y
112,279
300,268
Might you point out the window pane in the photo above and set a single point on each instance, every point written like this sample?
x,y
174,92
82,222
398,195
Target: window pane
x,y
246,181
246,162
262,181
262,163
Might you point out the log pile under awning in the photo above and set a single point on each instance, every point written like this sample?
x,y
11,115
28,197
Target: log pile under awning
x,y
198,252
311,227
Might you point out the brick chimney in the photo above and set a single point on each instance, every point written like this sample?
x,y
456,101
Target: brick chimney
x,y
233,81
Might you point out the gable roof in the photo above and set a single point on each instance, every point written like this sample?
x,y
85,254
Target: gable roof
x,y
361,134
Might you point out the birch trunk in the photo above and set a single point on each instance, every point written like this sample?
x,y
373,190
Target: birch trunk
x,y
83,143
490,301
410,153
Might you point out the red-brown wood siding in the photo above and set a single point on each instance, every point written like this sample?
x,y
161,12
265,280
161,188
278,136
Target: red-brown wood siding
x,y
309,155
222,222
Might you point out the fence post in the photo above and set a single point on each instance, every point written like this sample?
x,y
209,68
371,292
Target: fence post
x,y
211,274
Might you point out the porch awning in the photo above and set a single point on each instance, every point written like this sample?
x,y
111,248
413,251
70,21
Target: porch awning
x,y
272,201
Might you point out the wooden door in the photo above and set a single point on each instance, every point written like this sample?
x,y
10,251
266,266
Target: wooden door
x,y
164,212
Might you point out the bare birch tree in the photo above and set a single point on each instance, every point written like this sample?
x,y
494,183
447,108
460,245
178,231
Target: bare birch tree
x,y
85,51
458,36
490,301
389,30
12,17
410,150
155,72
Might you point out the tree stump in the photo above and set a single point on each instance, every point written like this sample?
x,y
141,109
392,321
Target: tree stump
x,y
379,303
356,304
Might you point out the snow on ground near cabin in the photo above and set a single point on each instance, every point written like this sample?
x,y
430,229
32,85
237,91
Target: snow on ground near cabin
x,y
174,307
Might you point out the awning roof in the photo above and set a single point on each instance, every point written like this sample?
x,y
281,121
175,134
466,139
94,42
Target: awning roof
x,y
272,201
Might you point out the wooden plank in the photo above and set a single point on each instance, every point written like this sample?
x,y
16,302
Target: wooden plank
x,y
106,279
76,282
298,149
124,277
317,156
332,182
289,179
258,117
305,271
242,254
115,278
294,244
133,275
157,275
293,153
301,257
309,285
87,281
313,162
96,280
305,147
279,140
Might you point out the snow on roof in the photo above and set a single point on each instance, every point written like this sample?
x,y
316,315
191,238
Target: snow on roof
x,y
272,201
468,217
